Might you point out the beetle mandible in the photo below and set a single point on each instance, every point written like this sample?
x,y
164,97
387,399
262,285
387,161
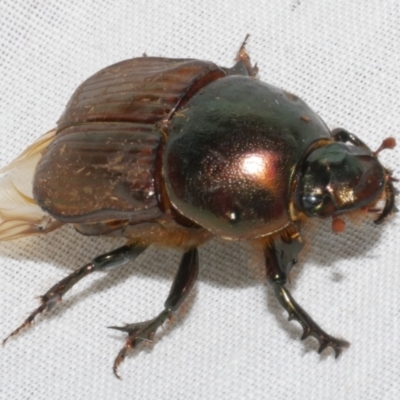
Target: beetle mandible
x,y
176,151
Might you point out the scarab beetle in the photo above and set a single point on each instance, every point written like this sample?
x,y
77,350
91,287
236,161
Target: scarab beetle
x,y
176,151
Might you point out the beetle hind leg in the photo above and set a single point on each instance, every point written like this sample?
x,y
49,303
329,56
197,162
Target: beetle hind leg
x,y
243,64
280,256
145,331
54,295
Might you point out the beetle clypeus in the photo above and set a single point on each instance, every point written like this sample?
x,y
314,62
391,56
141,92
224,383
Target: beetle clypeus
x,y
176,151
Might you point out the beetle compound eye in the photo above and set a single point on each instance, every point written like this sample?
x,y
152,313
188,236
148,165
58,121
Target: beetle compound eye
x,y
321,204
312,201
312,188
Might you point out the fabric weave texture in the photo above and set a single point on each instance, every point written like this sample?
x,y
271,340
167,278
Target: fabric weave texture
x,y
233,341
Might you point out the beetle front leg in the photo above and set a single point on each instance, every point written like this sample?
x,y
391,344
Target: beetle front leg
x,y
181,287
277,257
54,295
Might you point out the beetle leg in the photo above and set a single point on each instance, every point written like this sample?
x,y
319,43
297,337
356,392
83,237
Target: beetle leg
x,y
243,64
54,295
181,287
277,266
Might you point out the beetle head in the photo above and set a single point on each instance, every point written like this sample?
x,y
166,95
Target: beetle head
x,y
341,177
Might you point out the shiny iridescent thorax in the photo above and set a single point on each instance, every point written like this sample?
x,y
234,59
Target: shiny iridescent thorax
x,y
176,151
232,152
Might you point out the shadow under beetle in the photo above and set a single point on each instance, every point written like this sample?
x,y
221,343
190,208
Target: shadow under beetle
x,y
176,151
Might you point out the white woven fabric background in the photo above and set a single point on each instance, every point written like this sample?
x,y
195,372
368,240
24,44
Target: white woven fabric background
x,y
234,341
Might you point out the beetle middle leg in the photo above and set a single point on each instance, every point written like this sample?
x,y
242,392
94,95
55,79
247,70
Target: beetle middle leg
x,y
54,295
280,256
181,287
